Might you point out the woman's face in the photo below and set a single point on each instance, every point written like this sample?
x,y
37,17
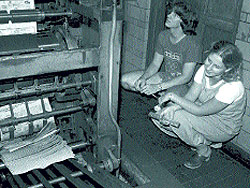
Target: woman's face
x,y
173,20
214,66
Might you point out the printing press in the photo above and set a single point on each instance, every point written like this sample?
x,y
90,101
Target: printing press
x,y
59,76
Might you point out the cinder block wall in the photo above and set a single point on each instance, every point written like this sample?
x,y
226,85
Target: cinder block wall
x,y
135,39
243,42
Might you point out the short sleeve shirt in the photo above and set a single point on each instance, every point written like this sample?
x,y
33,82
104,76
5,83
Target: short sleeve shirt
x,y
176,55
227,93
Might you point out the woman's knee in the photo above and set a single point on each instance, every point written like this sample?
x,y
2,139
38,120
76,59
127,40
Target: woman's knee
x,y
185,130
181,116
124,81
128,79
188,130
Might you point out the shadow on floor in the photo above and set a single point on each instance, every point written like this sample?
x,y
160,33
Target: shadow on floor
x,y
220,171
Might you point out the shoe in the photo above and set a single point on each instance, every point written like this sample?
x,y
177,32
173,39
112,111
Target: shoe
x,y
216,145
193,149
196,161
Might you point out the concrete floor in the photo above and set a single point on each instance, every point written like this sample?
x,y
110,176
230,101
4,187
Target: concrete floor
x,y
170,153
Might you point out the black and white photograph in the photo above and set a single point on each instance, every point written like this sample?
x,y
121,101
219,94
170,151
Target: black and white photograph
x,y
124,93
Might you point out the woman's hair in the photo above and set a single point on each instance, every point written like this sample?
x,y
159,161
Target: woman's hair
x,y
188,17
231,58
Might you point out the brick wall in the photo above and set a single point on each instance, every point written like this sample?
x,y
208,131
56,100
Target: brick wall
x,y
135,46
243,42
135,37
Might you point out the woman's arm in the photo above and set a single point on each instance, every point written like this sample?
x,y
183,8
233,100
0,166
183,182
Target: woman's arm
x,y
184,78
151,70
154,65
212,106
192,94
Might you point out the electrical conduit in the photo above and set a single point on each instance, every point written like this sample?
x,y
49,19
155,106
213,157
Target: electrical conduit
x,y
111,59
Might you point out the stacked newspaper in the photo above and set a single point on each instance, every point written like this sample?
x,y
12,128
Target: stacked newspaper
x,y
39,151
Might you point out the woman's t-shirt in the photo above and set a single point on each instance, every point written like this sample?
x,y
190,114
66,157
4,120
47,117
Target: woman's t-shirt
x,y
227,93
175,55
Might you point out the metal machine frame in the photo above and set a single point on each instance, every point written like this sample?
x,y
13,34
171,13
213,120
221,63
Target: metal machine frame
x,y
101,67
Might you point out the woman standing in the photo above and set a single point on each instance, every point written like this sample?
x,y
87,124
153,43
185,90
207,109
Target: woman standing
x,y
212,110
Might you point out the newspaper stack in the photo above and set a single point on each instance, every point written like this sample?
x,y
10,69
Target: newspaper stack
x,y
37,152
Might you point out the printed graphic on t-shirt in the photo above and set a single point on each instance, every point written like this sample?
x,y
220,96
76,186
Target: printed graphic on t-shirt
x,y
172,63
171,55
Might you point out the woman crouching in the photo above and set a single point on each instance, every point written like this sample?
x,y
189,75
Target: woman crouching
x,y
212,110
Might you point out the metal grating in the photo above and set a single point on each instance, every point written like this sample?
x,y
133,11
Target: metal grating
x,y
66,174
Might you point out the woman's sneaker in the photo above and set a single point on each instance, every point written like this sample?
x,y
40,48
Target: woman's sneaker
x,y
196,161
216,145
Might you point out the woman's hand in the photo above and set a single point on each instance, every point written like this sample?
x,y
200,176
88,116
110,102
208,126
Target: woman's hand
x,y
165,98
168,112
150,89
140,83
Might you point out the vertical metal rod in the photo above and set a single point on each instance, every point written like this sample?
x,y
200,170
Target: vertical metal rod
x,y
16,87
44,112
11,111
11,129
43,180
31,127
43,106
111,66
35,82
56,82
